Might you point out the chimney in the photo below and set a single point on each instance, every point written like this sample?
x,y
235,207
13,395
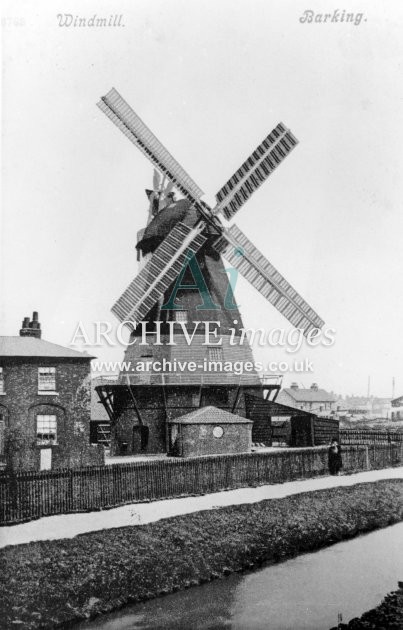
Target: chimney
x,y
314,386
31,328
294,385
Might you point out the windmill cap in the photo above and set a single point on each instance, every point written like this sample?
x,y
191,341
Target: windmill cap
x,y
164,222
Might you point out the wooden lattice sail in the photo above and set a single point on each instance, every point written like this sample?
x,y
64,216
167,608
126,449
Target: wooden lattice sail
x,y
147,288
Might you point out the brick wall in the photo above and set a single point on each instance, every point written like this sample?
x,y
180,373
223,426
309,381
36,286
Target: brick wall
x,y
151,403
21,403
198,439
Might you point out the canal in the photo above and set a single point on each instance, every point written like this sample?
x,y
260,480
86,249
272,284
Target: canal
x,y
306,592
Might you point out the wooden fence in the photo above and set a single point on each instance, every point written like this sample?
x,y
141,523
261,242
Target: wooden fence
x,y
281,432
31,495
370,436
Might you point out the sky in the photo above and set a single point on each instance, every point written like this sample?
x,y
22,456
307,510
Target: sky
x,y
210,79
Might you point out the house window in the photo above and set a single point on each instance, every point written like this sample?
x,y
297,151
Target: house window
x,y
181,316
46,429
47,379
1,381
215,354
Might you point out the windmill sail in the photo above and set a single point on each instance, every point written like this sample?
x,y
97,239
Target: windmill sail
x,y
116,108
251,263
163,268
255,170
252,160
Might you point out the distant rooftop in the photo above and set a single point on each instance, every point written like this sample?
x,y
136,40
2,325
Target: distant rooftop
x,y
313,394
35,347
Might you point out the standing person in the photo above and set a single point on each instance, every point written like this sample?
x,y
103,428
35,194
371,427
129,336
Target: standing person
x,y
335,461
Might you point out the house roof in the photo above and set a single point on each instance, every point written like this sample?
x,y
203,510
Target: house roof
x,y
33,347
309,395
210,415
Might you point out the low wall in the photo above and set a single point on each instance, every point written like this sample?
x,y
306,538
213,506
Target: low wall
x,y
26,496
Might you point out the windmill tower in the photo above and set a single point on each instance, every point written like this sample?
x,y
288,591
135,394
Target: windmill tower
x,y
183,289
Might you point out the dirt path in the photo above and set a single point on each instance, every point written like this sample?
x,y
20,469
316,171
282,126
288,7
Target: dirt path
x,y
70,525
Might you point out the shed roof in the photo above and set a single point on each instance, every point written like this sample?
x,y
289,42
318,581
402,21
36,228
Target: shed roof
x,y
210,415
272,408
33,347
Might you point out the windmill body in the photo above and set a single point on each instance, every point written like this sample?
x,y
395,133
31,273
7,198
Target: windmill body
x,y
183,289
220,325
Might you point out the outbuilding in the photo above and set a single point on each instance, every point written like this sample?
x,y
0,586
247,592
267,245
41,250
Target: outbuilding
x,y
209,431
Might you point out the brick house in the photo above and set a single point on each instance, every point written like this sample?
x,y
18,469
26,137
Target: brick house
x,y
314,400
44,403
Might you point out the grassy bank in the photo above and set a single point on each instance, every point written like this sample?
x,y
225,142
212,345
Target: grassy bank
x,y
45,584
388,615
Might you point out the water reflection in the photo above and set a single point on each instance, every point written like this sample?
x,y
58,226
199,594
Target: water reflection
x,y
306,592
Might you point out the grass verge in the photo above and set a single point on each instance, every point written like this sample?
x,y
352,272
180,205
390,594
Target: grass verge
x,y
388,615
51,583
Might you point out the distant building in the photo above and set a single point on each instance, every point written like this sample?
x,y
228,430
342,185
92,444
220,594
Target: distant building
x,y
397,409
315,400
354,407
359,407
44,403
381,407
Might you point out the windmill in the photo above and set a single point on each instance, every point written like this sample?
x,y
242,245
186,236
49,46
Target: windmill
x,y
189,229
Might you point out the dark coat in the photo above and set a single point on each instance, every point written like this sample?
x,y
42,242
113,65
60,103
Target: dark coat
x,y
335,459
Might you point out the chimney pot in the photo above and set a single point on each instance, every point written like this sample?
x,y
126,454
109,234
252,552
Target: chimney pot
x,y
31,328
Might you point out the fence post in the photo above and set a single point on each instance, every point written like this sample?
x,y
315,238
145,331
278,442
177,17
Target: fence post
x,y
71,490
367,464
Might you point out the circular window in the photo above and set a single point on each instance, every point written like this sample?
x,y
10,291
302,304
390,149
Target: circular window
x,y
218,432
